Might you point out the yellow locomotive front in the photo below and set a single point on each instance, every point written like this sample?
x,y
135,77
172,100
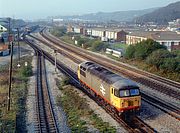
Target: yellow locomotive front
x,y
125,98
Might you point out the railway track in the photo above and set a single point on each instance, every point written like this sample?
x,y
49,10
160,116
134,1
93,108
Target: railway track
x,y
172,110
166,86
45,117
136,125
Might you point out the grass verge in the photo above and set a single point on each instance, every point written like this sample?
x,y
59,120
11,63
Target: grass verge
x,y
80,116
14,120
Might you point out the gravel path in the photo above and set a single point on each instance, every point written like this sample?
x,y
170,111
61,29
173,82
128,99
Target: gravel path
x,y
31,101
162,122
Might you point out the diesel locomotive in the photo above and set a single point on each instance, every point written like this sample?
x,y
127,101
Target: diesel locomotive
x,y
119,93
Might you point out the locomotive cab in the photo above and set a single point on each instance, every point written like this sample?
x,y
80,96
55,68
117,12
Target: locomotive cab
x,y
126,98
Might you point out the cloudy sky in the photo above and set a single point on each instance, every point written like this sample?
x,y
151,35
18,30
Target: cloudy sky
x,y
35,9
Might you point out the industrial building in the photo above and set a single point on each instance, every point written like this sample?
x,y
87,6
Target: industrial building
x,y
169,39
104,34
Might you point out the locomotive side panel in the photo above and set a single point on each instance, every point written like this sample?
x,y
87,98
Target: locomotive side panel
x,y
101,87
94,82
88,79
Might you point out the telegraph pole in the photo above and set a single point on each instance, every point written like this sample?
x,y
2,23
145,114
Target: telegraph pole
x,y
18,49
9,30
10,39
10,78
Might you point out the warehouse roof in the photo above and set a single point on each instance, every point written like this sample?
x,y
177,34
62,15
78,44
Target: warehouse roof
x,y
157,35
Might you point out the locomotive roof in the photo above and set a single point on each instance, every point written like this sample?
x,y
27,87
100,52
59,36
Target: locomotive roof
x,y
111,78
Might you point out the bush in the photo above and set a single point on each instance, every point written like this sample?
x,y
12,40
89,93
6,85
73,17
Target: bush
x,y
81,41
169,64
59,31
130,52
98,46
164,59
143,49
27,71
157,57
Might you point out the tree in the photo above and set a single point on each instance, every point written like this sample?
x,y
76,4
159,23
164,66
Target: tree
x,y
81,41
163,59
169,64
129,54
157,57
59,31
98,46
145,48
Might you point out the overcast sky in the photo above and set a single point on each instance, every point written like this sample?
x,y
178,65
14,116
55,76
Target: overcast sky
x,y
34,9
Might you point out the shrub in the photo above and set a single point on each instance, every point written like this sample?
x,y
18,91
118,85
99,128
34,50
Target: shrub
x,y
98,46
164,59
27,71
143,49
157,57
59,31
130,52
81,41
169,64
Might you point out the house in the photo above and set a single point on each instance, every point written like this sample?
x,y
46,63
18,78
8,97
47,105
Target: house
x,y
117,35
108,34
169,39
78,30
98,33
70,29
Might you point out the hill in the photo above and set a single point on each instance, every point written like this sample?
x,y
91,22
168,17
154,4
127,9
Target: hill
x,y
162,15
15,23
111,16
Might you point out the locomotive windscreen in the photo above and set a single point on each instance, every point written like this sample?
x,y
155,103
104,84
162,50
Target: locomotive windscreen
x,y
131,92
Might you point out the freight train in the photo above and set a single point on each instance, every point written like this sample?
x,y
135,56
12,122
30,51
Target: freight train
x,y
116,92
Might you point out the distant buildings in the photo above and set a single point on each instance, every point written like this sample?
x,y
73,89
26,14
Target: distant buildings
x,y
98,32
169,39
104,34
3,39
4,48
78,30
3,34
2,29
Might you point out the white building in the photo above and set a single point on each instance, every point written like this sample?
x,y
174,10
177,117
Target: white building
x,y
169,39
111,35
98,32
2,29
78,30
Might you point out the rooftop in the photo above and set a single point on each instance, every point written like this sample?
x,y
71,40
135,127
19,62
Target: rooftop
x,y
157,35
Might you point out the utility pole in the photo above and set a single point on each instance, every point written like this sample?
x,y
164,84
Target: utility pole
x,y
9,30
18,65
10,39
10,78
